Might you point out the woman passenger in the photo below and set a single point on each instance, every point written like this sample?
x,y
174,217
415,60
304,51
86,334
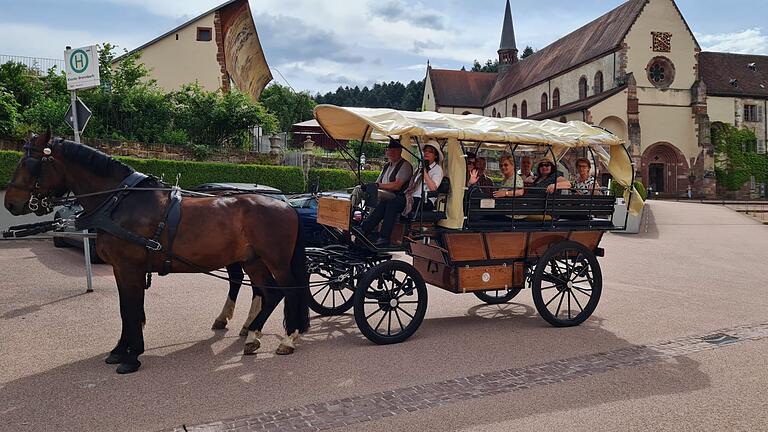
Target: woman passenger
x,y
430,175
512,185
548,179
583,183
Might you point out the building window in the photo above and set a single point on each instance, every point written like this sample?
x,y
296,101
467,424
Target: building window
x,y
598,83
752,113
466,113
583,88
524,109
563,120
662,41
661,72
556,98
494,113
761,146
204,34
514,110
544,102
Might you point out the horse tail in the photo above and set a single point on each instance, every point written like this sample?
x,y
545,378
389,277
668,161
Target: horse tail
x,y
297,299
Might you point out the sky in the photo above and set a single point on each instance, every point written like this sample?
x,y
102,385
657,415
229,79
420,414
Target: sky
x,y
319,45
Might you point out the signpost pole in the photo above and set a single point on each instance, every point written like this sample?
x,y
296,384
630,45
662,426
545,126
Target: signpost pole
x,y
86,240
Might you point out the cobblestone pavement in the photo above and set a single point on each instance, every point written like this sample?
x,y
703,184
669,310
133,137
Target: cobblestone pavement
x,y
374,406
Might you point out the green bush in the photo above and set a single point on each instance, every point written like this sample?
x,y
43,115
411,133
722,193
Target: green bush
x,y
618,190
9,112
8,162
372,150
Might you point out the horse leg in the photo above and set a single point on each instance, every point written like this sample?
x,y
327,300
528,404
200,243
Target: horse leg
x,y
256,301
130,287
271,299
235,274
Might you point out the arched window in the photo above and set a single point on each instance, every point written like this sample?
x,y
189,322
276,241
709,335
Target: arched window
x,y
583,88
498,115
544,102
494,113
598,82
514,110
556,98
563,120
524,109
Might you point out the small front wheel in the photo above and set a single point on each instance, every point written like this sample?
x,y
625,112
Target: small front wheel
x,y
566,284
390,302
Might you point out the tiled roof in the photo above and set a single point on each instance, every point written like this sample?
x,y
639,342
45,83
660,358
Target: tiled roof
x,y
461,88
719,70
598,38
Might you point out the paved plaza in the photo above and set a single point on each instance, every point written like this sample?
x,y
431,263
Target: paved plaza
x,y
678,342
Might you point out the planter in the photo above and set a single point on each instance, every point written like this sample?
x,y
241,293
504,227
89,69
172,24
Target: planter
x,y
633,221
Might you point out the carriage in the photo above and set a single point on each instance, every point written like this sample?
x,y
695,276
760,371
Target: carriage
x,y
471,242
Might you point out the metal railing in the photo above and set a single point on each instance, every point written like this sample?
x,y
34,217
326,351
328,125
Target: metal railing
x,y
40,64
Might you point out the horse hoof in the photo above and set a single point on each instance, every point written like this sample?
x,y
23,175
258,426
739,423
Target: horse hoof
x,y
126,368
284,350
251,348
219,325
113,358
244,331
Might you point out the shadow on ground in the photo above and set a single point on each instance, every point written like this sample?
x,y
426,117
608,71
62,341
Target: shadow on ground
x,y
205,380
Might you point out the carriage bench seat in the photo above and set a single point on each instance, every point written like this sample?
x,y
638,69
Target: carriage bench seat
x,y
484,209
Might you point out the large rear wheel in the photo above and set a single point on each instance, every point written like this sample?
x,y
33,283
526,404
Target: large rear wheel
x,y
390,302
566,284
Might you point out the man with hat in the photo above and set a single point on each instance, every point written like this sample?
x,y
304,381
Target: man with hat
x,y
388,193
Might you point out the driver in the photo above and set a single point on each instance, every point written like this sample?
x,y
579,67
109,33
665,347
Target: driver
x,y
390,200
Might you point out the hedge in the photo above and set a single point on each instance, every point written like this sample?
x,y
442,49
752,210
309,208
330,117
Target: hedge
x,y
286,178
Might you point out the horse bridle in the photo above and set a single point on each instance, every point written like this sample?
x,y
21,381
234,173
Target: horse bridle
x,y
37,198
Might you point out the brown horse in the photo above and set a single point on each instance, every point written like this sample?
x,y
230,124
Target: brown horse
x,y
260,233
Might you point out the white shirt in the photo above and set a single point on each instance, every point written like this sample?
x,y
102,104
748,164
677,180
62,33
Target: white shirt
x,y
435,173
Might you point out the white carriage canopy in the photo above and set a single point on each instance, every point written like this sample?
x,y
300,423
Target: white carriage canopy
x,y
378,124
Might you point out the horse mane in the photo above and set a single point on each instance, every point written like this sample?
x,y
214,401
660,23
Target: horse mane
x,y
99,163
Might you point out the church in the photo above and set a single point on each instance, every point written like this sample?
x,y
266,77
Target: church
x,y
636,71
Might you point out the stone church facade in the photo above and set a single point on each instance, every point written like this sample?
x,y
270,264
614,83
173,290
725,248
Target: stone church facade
x,y
637,71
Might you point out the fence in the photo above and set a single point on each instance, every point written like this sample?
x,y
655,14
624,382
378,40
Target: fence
x,y
40,64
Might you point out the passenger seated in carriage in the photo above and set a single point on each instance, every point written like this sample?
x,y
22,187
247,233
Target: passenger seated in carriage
x,y
512,185
583,182
388,193
526,173
428,177
477,176
548,179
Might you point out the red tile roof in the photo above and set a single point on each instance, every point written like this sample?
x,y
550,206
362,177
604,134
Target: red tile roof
x,y
600,37
718,69
461,88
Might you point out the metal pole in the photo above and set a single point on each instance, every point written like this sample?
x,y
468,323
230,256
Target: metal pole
x,y
86,240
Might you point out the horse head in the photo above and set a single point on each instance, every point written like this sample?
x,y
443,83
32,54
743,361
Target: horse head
x,y
39,176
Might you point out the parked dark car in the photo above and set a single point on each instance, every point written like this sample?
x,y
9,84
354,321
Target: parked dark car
x,y
316,235
70,211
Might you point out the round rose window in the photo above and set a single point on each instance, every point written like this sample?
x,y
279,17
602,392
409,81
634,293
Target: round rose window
x,y
661,72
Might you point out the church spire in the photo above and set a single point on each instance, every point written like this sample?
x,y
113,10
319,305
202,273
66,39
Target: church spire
x,y
508,46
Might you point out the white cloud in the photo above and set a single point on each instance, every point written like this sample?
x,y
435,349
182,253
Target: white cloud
x,y
172,8
750,41
35,40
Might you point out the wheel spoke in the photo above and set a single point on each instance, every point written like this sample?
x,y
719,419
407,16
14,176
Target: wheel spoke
x,y
559,294
581,309
559,304
380,321
405,312
549,287
402,327
389,323
326,296
586,292
374,313
341,293
569,304
408,302
327,285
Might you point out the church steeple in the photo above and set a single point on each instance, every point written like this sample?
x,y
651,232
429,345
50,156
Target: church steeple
x,y
508,46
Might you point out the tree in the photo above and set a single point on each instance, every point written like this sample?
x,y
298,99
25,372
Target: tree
x,y
288,106
9,112
393,94
489,66
736,161
527,52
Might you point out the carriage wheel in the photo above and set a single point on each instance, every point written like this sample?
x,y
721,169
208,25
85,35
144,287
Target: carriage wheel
x,y
566,284
498,296
390,302
332,292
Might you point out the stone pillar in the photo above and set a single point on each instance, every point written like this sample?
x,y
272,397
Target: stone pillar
x,y
702,175
633,123
309,145
274,145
